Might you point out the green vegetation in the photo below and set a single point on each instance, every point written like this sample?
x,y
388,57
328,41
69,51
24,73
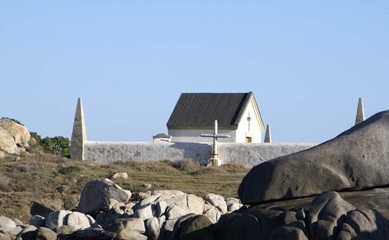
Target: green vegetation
x,y
69,170
56,145
36,136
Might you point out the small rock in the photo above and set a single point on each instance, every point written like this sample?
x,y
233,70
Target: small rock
x,y
64,230
195,204
161,220
233,204
232,207
56,219
7,223
130,228
165,194
232,200
45,234
145,212
107,219
18,222
131,224
364,224
217,201
129,194
324,212
118,207
4,235
78,220
149,199
15,231
195,227
28,233
174,212
133,235
152,228
168,228
123,175
212,213
37,221
39,209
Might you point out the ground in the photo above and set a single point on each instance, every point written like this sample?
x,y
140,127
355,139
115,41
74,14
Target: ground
x,y
55,182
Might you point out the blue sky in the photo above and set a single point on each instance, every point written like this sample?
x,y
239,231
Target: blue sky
x,y
307,62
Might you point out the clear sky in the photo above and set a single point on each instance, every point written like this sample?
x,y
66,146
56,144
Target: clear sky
x,y
307,62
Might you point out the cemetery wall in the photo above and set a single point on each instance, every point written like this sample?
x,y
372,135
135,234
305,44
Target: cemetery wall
x,y
236,153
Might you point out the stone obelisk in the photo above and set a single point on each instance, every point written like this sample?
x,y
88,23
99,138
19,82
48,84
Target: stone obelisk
x,y
360,112
267,135
79,134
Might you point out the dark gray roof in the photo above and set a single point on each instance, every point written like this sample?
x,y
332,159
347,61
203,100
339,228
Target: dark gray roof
x,y
200,110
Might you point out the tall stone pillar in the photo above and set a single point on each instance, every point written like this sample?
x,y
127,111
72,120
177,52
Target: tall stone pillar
x,y
360,112
79,134
267,135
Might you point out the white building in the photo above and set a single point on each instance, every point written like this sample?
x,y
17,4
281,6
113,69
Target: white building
x,y
237,114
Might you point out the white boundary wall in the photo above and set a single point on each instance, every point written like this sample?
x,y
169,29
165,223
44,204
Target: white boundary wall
x,y
235,153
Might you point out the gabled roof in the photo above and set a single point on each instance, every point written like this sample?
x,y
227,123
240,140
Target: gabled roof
x,y
200,110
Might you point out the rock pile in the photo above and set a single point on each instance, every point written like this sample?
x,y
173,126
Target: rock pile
x,y
105,211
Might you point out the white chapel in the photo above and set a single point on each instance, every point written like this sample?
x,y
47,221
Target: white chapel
x,y
237,115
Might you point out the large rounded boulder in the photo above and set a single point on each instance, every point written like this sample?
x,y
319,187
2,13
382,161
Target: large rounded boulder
x,y
356,159
14,137
97,195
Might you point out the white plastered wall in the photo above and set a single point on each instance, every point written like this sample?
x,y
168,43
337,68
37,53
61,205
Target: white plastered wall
x,y
255,126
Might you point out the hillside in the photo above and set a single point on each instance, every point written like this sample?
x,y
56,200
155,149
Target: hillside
x,y
33,179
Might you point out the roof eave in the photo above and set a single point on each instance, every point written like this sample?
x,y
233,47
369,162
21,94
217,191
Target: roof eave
x,y
220,127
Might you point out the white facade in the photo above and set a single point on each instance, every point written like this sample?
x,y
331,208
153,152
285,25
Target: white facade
x,y
249,129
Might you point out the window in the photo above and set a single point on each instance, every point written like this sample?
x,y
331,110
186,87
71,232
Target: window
x,y
249,139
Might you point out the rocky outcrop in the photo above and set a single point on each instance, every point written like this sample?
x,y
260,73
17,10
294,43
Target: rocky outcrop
x,y
14,137
163,214
354,160
175,215
328,216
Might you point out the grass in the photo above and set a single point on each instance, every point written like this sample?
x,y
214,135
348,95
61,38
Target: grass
x,y
56,183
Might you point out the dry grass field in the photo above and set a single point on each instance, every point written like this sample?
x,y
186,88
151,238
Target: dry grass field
x,y
55,182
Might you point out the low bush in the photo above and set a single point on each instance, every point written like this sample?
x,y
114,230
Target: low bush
x,y
56,145
186,165
69,170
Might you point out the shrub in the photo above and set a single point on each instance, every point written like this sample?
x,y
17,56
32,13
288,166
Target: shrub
x,y
36,136
56,145
186,165
69,170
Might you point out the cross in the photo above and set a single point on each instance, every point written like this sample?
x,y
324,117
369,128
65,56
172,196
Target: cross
x,y
215,136
248,121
